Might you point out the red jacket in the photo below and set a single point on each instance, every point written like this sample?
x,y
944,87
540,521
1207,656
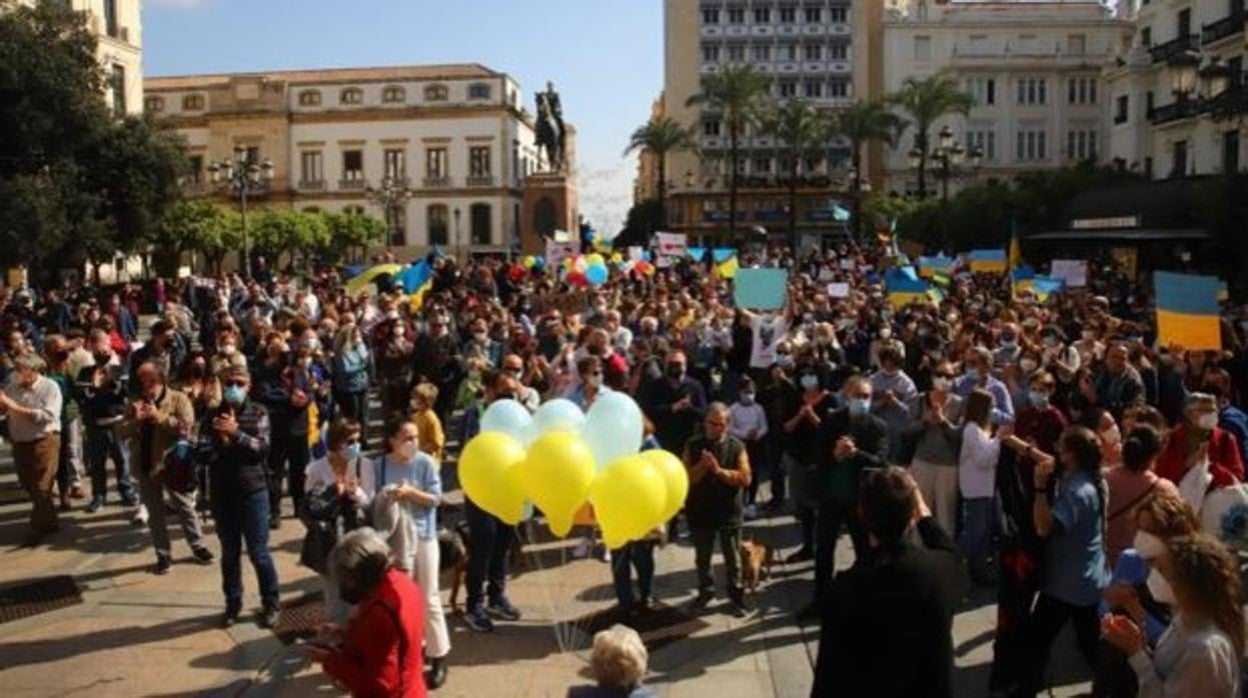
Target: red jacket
x,y
381,656
1224,462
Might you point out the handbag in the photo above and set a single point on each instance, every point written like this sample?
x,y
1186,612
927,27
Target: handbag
x,y
319,514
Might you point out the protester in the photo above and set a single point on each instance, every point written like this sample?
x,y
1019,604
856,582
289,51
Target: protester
x,y
618,662
102,390
748,423
33,405
1199,455
977,466
887,622
1129,485
933,442
378,653
805,449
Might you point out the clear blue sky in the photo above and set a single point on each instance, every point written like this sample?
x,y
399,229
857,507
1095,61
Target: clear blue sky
x,y
604,56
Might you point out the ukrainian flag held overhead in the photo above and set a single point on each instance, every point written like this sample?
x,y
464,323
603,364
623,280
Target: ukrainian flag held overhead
x,y
989,261
417,280
902,288
1187,311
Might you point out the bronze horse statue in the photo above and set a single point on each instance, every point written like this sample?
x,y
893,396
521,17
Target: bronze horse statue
x,y
551,135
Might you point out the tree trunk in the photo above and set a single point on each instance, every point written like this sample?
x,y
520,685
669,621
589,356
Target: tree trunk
x,y
922,146
661,190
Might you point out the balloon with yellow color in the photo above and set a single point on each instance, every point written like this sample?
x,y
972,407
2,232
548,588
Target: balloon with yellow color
x,y
556,476
629,498
675,478
489,470
594,258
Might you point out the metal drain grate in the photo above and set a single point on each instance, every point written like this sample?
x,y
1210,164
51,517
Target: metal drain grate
x,y
38,596
657,627
300,618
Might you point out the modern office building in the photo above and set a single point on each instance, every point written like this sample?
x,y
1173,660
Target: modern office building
x,y
456,137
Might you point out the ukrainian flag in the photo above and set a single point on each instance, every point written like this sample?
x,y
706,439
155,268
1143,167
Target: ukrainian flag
x,y
929,267
1044,286
902,288
417,280
727,269
1187,311
1022,278
987,261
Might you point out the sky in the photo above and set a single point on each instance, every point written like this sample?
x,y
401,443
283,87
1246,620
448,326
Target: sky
x,y
604,56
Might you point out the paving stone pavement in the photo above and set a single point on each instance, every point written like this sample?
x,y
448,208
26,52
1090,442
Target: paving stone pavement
x,y
137,634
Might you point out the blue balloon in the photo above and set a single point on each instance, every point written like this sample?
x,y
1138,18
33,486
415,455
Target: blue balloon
x,y
508,417
613,428
597,274
539,262
556,415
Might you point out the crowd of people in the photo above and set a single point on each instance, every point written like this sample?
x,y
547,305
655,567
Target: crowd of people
x,y
1051,449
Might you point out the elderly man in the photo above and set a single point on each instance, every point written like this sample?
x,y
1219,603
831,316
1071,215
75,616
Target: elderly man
x,y
33,404
157,421
978,374
1117,387
719,471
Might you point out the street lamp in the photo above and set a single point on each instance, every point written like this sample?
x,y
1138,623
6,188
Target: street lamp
x,y
459,241
1184,69
1215,77
391,196
241,176
949,156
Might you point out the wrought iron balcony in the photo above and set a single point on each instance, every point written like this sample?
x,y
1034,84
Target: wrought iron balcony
x,y
353,184
479,181
312,184
437,182
1164,52
1230,103
1231,25
1183,108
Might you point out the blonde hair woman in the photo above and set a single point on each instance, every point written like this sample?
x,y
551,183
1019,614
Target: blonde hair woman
x,y
619,664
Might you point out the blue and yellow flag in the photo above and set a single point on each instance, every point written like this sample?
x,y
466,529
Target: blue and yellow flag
x,y
987,261
1022,278
930,266
727,269
1187,311
417,280
903,288
1044,286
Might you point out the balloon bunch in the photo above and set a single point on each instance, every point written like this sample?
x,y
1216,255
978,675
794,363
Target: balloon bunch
x,y
534,262
590,269
560,457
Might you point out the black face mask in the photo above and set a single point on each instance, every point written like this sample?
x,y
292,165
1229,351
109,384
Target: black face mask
x,y
101,359
351,595
675,371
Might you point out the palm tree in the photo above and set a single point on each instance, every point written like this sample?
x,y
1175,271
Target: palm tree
x,y
660,136
735,93
800,129
861,123
926,100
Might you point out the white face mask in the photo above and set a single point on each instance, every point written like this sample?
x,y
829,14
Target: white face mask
x,y
885,333
1160,588
1207,421
1028,365
400,331
1112,436
1149,546
942,384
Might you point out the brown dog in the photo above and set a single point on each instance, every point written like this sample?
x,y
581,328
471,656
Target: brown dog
x,y
756,559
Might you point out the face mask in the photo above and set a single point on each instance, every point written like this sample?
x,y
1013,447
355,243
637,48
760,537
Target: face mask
x,y
1088,335
886,332
1149,546
747,398
859,407
942,384
972,373
1039,400
675,371
228,349
1028,365
351,595
313,344
400,331
1159,588
1009,344
784,360
1207,421
810,382
593,381
1050,342
352,451
234,394
480,337
1112,436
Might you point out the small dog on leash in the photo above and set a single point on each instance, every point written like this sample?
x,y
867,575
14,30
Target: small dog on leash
x,y
756,559
454,550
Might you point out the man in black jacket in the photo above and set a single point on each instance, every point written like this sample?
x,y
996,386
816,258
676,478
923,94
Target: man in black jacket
x,y
856,441
887,621
234,444
675,403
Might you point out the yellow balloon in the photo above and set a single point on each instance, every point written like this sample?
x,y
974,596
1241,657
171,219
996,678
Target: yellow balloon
x,y
595,258
675,477
556,476
629,498
616,258
489,470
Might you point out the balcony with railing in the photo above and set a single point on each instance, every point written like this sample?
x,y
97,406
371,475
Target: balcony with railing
x,y
1183,108
1229,103
312,185
1162,53
479,180
1231,25
353,183
437,182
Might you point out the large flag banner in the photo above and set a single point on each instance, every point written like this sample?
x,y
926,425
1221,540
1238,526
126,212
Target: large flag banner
x,y
728,268
1073,271
1044,286
760,289
929,266
697,254
723,254
903,288
1022,278
671,244
1187,311
987,261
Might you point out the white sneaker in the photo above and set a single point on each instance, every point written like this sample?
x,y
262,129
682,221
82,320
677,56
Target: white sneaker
x,y
140,516
582,549
750,512
606,555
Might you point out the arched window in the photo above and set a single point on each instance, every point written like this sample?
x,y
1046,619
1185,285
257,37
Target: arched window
x,y
310,98
479,216
437,93
393,94
193,103
439,224
351,95
154,105
544,217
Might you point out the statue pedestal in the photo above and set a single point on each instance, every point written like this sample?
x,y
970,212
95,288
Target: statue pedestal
x,y
550,204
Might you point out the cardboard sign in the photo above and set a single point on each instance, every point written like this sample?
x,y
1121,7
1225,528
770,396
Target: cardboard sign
x,y
556,252
1073,271
838,290
761,289
671,244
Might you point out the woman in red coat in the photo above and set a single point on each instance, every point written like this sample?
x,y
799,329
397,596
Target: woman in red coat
x,y
379,654
1197,436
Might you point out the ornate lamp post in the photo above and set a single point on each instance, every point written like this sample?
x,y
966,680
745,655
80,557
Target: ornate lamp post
x,y
242,177
949,157
391,197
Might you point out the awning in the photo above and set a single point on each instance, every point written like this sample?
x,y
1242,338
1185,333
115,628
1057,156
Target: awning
x,y
1131,234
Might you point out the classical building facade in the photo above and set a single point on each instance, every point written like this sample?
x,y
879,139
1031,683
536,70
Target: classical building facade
x,y
1033,69
117,28
457,136
1177,93
817,50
